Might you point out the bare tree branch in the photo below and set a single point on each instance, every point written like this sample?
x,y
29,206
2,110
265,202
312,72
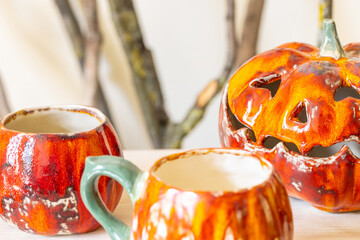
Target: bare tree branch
x,y
4,106
143,70
177,132
93,93
72,28
325,11
164,133
249,37
92,50
235,56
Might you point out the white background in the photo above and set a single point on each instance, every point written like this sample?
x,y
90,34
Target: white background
x,y
187,39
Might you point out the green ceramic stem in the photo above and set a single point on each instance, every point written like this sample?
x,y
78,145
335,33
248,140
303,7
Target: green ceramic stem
x,y
123,171
331,46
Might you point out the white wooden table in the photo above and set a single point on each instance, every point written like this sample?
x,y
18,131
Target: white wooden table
x,y
309,222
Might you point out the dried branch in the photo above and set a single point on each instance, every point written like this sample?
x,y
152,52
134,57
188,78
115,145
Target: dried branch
x,y
92,50
72,28
162,132
235,57
93,93
4,106
177,132
325,11
249,37
143,70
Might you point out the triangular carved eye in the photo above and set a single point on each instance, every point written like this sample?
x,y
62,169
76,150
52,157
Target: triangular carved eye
x,y
271,82
302,116
344,92
299,113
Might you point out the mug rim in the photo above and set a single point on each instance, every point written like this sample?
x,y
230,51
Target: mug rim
x,y
204,151
75,108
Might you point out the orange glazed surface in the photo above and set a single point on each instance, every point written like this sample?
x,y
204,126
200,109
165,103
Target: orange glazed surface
x,y
306,80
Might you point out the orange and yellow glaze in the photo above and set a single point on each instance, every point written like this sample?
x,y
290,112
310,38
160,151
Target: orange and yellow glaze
x,y
311,81
165,212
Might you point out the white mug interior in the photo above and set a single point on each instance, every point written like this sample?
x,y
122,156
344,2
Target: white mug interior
x,y
62,119
213,171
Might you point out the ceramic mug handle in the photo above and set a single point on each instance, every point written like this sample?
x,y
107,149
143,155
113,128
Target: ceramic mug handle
x,y
124,172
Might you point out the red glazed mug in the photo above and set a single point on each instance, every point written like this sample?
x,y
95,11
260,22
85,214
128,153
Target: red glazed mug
x,y
42,157
200,194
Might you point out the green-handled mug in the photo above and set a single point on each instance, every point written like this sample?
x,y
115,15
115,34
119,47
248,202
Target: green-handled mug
x,y
198,194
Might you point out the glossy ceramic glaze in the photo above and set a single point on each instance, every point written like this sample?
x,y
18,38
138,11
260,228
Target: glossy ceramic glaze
x,y
309,79
40,172
166,211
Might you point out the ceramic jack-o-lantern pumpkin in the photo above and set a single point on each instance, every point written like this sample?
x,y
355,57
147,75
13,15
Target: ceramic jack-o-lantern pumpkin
x,y
298,106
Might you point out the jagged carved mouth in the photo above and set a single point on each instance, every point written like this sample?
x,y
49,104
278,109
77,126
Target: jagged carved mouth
x,y
271,142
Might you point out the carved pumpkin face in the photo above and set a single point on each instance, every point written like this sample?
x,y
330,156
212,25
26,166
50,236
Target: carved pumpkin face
x,y
302,110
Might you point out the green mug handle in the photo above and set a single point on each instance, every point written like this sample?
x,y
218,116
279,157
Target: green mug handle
x,y
124,172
